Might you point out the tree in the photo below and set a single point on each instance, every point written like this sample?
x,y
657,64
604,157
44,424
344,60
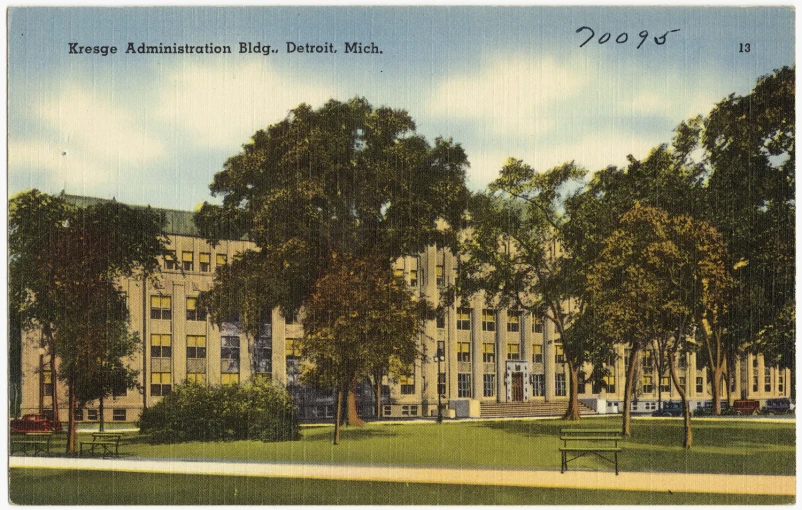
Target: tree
x,y
517,253
750,153
359,318
346,179
65,265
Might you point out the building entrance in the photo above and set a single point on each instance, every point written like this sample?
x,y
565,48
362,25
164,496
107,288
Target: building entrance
x,y
518,387
517,382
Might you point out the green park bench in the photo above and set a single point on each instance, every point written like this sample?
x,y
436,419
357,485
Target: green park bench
x,y
577,443
31,443
107,443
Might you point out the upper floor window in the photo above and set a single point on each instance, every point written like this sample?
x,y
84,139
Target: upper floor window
x,y
413,277
463,351
440,276
161,346
559,353
187,261
193,312
161,307
169,260
513,351
488,320
221,259
464,318
292,348
513,321
537,325
537,353
205,262
489,353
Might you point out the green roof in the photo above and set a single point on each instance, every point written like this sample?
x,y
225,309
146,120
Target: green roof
x,y
176,222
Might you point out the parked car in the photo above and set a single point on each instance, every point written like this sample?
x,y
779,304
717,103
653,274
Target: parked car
x,y
35,423
778,406
746,406
669,409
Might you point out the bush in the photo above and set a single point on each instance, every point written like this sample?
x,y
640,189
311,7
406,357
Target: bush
x,y
193,412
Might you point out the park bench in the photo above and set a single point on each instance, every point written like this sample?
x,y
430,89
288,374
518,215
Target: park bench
x,y
603,443
106,442
34,443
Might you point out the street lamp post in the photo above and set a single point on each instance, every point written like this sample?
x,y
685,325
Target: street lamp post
x,y
440,359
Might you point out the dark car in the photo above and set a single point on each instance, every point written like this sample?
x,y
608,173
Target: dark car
x,y
669,409
778,406
746,406
35,423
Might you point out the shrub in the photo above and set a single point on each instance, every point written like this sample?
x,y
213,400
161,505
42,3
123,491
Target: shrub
x,y
193,412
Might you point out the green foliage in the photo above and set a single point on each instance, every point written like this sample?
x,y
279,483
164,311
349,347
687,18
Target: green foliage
x,y
193,412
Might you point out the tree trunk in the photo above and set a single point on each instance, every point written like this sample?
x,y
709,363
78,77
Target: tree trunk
x,y
686,410
71,432
626,426
54,380
378,382
101,411
715,386
353,418
572,413
337,415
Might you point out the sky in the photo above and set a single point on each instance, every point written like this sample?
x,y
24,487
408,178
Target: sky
x,y
501,81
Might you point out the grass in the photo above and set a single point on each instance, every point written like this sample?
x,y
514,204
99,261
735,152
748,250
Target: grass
x,y
63,487
720,446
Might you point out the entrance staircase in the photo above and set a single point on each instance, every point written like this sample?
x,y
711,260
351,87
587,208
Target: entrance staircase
x,y
528,409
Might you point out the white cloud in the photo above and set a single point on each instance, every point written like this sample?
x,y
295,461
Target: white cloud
x,y
223,105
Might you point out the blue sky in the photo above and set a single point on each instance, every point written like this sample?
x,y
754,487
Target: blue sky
x,y
503,82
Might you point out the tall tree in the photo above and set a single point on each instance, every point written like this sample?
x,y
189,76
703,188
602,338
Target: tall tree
x,y
65,265
358,318
517,253
345,179
750,149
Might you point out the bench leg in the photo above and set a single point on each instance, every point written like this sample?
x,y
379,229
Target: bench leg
x,y
616,463
563,463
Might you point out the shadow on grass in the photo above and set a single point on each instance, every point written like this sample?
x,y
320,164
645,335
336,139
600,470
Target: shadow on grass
x,y
349,434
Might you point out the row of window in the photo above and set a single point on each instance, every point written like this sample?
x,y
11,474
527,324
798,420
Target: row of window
x,y
489,321
161,351
187,262
161,307
94,415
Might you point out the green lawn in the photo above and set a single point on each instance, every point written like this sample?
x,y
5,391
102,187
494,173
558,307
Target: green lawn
x,y
62,487
720,446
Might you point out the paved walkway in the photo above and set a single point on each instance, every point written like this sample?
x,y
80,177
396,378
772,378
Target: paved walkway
x,y
632,481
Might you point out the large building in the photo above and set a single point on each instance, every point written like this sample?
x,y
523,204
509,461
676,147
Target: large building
x,y
471,355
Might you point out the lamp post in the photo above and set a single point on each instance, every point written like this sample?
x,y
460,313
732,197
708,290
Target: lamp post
x,y
41,381
440,359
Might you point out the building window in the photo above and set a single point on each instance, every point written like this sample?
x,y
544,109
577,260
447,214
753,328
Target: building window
x,y
161,307
609,381
161,346
441,322
440,276
780,382
193,312
665,384
700,384
559,385
648,384
205,262
47,380
407,383
119,388
413,277
537,353
160,384
170,261
441,383
464,352
221,259
767,379
513,351
293,348
464,319
539,385
187,261
537,325
91,414
489,385
513,321
263,355
488,320
682,362
489,353
464,385
648,360
580,383
559,353
229,360
118,414
682,383
196,358
398,272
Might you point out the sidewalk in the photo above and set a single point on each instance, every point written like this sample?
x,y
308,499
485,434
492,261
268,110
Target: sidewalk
x,y
630,481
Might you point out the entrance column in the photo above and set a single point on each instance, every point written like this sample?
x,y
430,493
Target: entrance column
x,y
501,354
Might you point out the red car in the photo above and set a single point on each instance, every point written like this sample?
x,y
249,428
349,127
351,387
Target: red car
x,y
35,423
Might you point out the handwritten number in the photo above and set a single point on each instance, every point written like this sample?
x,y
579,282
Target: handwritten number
x,y
619,40
592,33
604,38
645,35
